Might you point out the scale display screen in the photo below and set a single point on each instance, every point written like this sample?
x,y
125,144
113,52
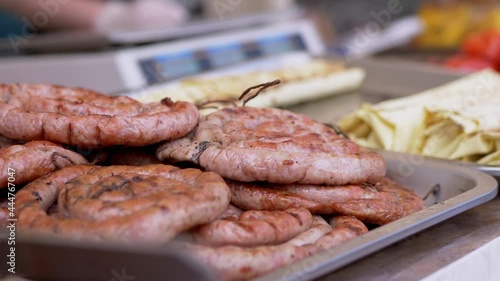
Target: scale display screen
x,y
170,66
175,65
221,56
280,45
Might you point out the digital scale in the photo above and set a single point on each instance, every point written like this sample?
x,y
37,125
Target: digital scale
x,y
167,62
131,68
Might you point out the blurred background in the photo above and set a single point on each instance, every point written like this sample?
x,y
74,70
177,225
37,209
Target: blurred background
x,y
61,35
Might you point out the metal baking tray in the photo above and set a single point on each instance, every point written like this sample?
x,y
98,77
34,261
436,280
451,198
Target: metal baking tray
x,y
461,188
492,170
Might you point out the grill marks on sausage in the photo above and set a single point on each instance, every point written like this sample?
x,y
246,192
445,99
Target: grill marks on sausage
x,y
82,117
198,150
263,144
148,204
35,159
242,263
378,203
113,186
255,228
55,155
36,195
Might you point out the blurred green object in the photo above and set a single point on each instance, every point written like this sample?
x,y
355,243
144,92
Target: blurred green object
x,y
10,25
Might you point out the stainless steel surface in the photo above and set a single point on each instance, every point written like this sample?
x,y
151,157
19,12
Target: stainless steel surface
x,y
94,71
429,251
45,258
461,189
332,109
397,77
489,169
492,170
64,41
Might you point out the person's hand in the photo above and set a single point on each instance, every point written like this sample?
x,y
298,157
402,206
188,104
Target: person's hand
x,y
141,14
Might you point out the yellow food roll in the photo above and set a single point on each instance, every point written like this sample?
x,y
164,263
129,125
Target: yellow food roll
x,y
458,121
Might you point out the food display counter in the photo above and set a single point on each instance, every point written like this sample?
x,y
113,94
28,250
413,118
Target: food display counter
x,y
453,234
462,248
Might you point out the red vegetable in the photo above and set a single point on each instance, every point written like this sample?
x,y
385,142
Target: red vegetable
x,y
468,63
479,51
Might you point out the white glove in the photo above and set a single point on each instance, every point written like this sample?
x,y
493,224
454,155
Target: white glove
x,y
140,14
